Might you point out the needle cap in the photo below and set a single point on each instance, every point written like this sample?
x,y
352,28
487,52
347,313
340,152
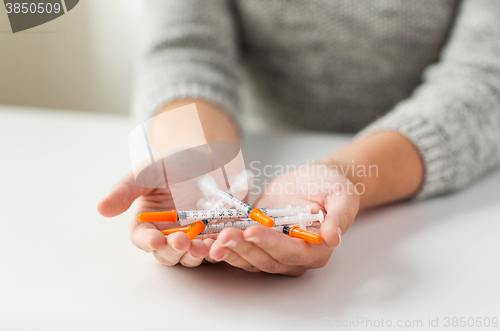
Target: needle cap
x,y
296,232
173,230
196,228
258,216
163,216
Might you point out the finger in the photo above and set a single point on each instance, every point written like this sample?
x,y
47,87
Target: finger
x,y
209,242
177,245
120,197
146,236
341,207
195,255
286,250
256,256
219,253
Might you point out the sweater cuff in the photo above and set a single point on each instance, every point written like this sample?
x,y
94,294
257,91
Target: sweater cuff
x,y
430,142
147,104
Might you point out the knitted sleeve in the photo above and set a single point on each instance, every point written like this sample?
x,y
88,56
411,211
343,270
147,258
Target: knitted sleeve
x,y
453,117
191,52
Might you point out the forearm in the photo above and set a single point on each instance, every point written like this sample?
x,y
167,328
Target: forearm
x,y
191,50
217,125
385,167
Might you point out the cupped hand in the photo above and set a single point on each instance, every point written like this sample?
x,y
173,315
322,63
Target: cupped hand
x,y
264,249
176,248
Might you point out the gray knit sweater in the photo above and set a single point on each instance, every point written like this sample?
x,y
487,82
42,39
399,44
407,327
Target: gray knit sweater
x,y
429,69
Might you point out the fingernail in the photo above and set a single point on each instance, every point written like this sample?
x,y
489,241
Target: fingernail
x,y
175,248
231,243
255,240
339,231
223,258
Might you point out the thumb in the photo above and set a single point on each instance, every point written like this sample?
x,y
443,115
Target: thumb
x,y
341,205
121,196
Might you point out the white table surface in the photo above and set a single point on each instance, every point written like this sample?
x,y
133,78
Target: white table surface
x,y
64,267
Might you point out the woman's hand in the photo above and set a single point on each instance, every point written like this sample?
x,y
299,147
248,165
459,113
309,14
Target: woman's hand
x,y
147,236
264,249
175,248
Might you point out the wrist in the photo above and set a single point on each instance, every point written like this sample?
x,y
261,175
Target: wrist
x,y
363,174
217,125
385,167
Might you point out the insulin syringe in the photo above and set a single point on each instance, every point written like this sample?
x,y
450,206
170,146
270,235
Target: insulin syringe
x,y
209,187
286,224
190,216
300,220
290,230
240,183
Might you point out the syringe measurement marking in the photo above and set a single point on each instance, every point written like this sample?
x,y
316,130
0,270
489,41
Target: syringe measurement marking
x,y
211,214
235,202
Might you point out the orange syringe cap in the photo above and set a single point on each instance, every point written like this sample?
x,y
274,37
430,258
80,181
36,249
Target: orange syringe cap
x,y
174,230
296,232
162,216
258,216
196,228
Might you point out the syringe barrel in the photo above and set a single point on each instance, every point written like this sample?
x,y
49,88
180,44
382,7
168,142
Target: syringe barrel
x,y
303,219
242,225
291,221
241,182
209,188
288,210
186,217
233,201
218,227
